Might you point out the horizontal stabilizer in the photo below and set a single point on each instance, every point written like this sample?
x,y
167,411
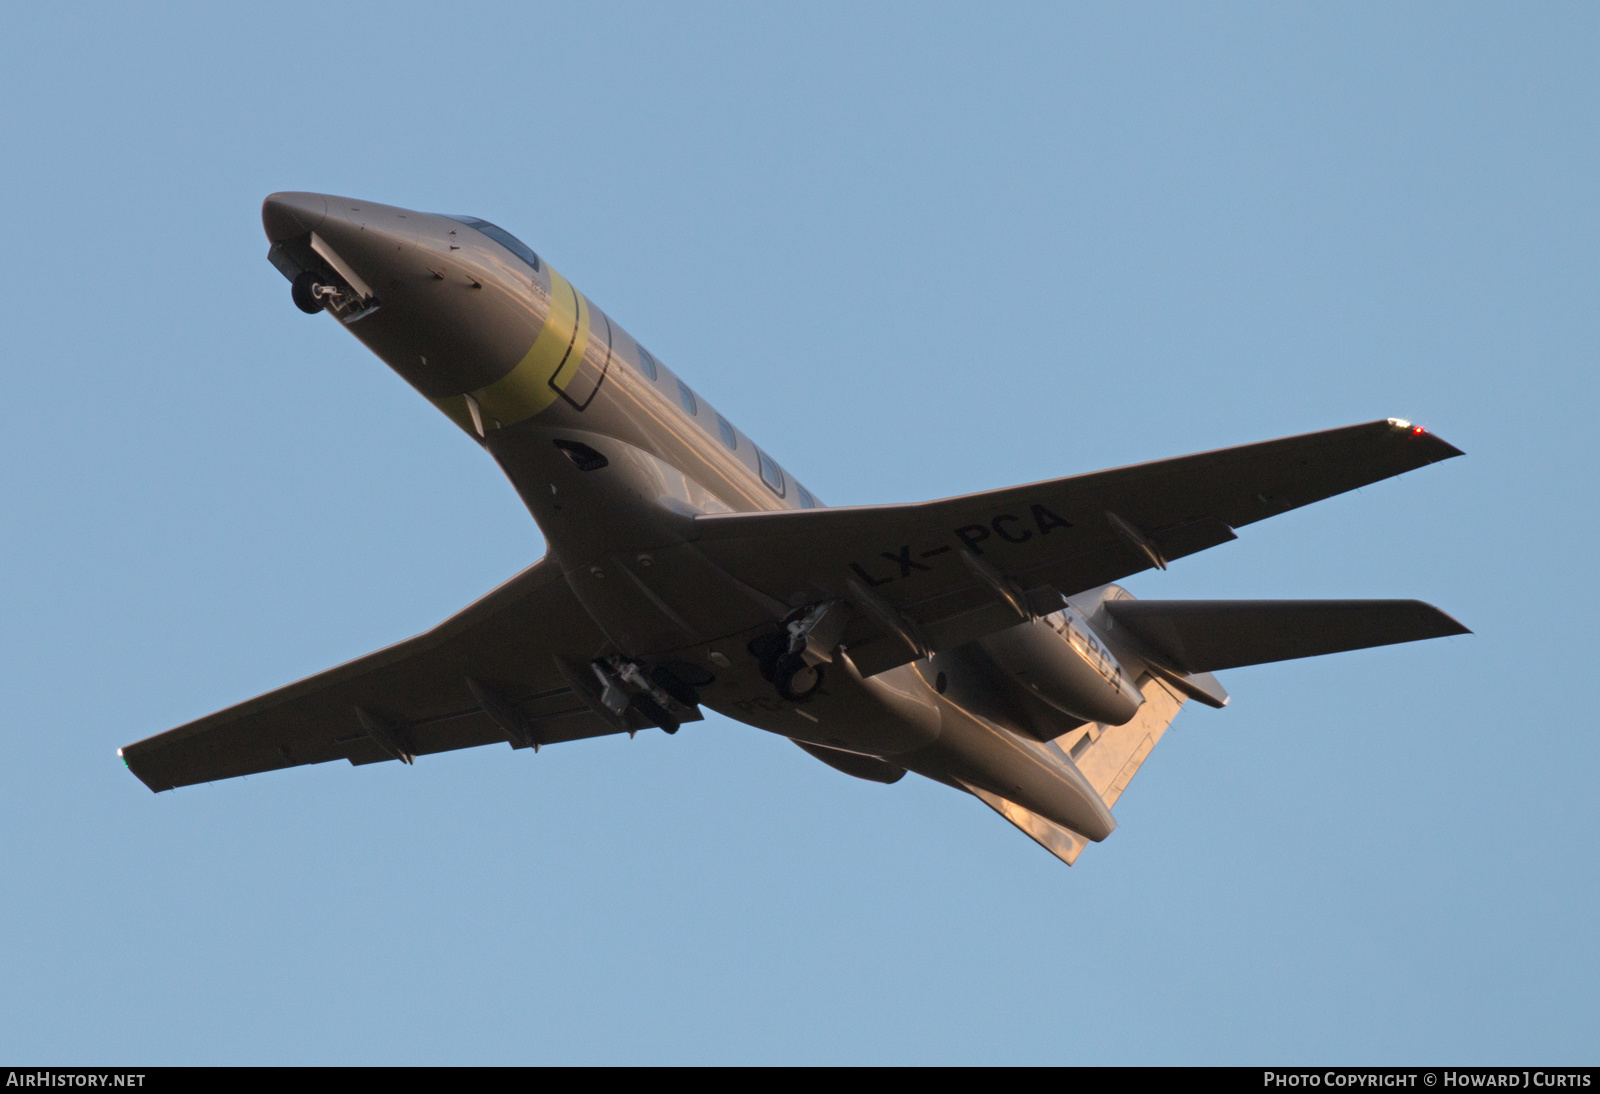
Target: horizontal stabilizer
x,y
1206,635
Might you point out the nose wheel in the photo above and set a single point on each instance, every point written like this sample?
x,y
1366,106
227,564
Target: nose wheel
x,y
310,293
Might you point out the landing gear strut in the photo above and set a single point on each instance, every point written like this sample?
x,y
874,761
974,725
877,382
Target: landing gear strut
x,y
310,293
793,661
623,687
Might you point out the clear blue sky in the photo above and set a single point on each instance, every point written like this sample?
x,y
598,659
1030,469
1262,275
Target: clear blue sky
x,y
915,250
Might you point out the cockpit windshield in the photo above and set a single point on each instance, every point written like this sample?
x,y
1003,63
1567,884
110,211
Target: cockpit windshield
x,y
504,238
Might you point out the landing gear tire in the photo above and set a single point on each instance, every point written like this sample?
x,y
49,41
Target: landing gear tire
x,y
795,680
303,289
669,682
656,713
768,650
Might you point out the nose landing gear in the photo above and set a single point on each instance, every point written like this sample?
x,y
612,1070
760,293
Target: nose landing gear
x,y
310,294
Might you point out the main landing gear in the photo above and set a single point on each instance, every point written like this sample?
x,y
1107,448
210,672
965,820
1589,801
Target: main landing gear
x,y
663,698
795,680
788,672
793,661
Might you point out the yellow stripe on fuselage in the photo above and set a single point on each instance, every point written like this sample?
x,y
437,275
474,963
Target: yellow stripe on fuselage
x,y
543,372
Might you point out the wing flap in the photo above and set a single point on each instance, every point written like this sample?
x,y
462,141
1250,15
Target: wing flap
x,y
416,689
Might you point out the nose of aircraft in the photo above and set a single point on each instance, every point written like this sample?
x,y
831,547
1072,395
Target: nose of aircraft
x,y
376,242
292,214
448,308
369,245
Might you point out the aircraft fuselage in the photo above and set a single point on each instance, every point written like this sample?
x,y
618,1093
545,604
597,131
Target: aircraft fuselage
x,y
613,456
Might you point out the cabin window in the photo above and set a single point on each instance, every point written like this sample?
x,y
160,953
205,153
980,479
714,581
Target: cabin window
x,y
686,397
647,364
806,500
771,473
729,437
504,238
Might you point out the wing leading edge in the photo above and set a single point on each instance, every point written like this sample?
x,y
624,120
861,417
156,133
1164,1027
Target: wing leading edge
x,y
936,574
486,674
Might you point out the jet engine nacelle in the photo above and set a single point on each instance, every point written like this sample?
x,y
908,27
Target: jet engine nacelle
x,y
1061,660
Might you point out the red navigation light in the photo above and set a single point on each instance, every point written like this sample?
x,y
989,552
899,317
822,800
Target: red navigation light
x,y
1417,431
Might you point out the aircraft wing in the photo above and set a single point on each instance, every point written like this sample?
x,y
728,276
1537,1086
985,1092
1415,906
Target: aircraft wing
x,y
936,574
408,699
